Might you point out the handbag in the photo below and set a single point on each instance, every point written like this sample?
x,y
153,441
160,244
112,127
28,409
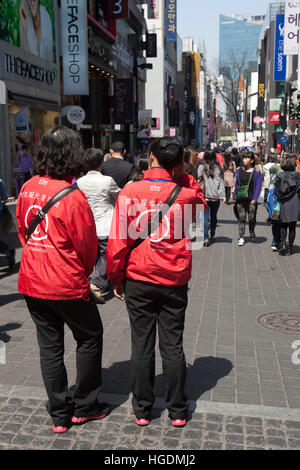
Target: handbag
x,y
40,215
242,192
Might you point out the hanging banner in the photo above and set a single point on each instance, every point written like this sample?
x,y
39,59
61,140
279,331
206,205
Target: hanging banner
x,y
171,20
145,121
294,107
274,118
291,27
153,9
74,47
280,58
123,101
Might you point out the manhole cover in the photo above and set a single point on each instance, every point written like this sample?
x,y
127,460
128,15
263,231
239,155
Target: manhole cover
x,y
288,323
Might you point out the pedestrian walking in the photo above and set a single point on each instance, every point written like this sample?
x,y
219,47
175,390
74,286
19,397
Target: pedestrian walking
x,y
116,167
101,192
236,157
142,165
191,161
287,190
25,168
153,273
58,256
4,214
211,176
247,190
229,169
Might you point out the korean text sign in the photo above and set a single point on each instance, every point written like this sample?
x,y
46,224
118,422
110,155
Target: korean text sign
x,y
171,20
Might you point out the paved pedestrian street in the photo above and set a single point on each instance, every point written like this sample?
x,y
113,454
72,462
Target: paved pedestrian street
x,y
243,377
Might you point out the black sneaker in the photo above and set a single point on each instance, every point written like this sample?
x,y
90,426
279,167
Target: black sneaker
x,y
101,412
252,235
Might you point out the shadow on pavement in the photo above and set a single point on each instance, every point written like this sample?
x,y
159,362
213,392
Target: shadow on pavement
x,y
6,299
4,272
8,327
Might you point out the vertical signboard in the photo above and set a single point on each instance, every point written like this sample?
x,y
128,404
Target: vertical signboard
x,y
171,20
153,9
123,101
291,27
294,107
280,58
261,85
74,47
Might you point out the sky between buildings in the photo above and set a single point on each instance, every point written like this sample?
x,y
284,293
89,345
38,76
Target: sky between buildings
x,y
200,19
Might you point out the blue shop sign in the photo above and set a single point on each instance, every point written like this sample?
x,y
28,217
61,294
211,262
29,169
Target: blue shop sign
x,y
280,58
171,20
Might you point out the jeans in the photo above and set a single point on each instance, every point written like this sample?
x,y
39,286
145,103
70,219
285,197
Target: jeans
x,y
243,208
149,305
98,277
211,213
83,319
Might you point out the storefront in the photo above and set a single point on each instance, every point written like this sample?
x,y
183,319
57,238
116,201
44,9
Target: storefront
x,y
28,68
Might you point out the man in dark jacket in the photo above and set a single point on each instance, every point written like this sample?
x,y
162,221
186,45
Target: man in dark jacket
x,y
116,167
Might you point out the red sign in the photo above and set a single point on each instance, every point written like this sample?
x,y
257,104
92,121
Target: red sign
x,y
118,9
274,117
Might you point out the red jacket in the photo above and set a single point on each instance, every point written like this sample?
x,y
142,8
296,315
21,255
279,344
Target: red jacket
x,y
166,258
61,253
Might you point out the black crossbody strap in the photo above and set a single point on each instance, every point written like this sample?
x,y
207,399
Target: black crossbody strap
x,y
42,212
155,221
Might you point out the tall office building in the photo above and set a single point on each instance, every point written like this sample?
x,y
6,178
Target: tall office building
x,y
238,35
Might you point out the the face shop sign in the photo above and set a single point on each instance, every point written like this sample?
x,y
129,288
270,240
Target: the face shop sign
x,y
23,68
75,47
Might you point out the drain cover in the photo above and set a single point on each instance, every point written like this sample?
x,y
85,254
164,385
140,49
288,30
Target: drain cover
x,y
288,323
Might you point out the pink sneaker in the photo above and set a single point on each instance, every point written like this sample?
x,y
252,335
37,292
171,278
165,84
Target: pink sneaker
x,y
59,429
178,423
141,421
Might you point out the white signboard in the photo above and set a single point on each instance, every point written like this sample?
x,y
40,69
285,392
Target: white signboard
x,y
275,104
291,27
74,47
21,120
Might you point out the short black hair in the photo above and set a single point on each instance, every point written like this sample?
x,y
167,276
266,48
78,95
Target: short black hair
x,y
60,153
289,163
24,147
93,158
118,147
168,151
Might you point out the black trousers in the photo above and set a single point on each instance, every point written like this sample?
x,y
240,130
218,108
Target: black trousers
x,y
83,319
242,208
150,304
284,228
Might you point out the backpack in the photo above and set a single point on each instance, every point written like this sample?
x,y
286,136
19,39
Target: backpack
x,y
273,205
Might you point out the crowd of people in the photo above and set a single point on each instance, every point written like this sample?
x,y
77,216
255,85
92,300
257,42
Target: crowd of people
x,y
92,223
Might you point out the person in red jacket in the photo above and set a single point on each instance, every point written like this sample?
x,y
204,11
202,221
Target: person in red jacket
x,y
154,275
56,262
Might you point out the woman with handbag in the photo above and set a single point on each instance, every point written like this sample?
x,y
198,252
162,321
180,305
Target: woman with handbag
x,y
247,190
287,190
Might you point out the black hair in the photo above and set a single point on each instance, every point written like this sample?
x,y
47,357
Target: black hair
x,y
272,158
60,153
289,163
210,163
234,151
250,155
24,147
142,165
118,147
168,151
93,158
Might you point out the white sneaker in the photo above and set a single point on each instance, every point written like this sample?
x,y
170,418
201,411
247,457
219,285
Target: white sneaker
x,y
241,242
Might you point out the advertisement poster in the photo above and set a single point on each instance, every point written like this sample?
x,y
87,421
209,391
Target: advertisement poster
x,y
291,27
275,104
30,25
145,122
294,107
274,118
153,9
280,58
123,101
171,20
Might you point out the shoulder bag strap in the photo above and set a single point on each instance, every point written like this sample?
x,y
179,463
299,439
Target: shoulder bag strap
x,y
154,223
42,212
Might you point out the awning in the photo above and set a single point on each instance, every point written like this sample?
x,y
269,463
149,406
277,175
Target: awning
x,y
35,103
